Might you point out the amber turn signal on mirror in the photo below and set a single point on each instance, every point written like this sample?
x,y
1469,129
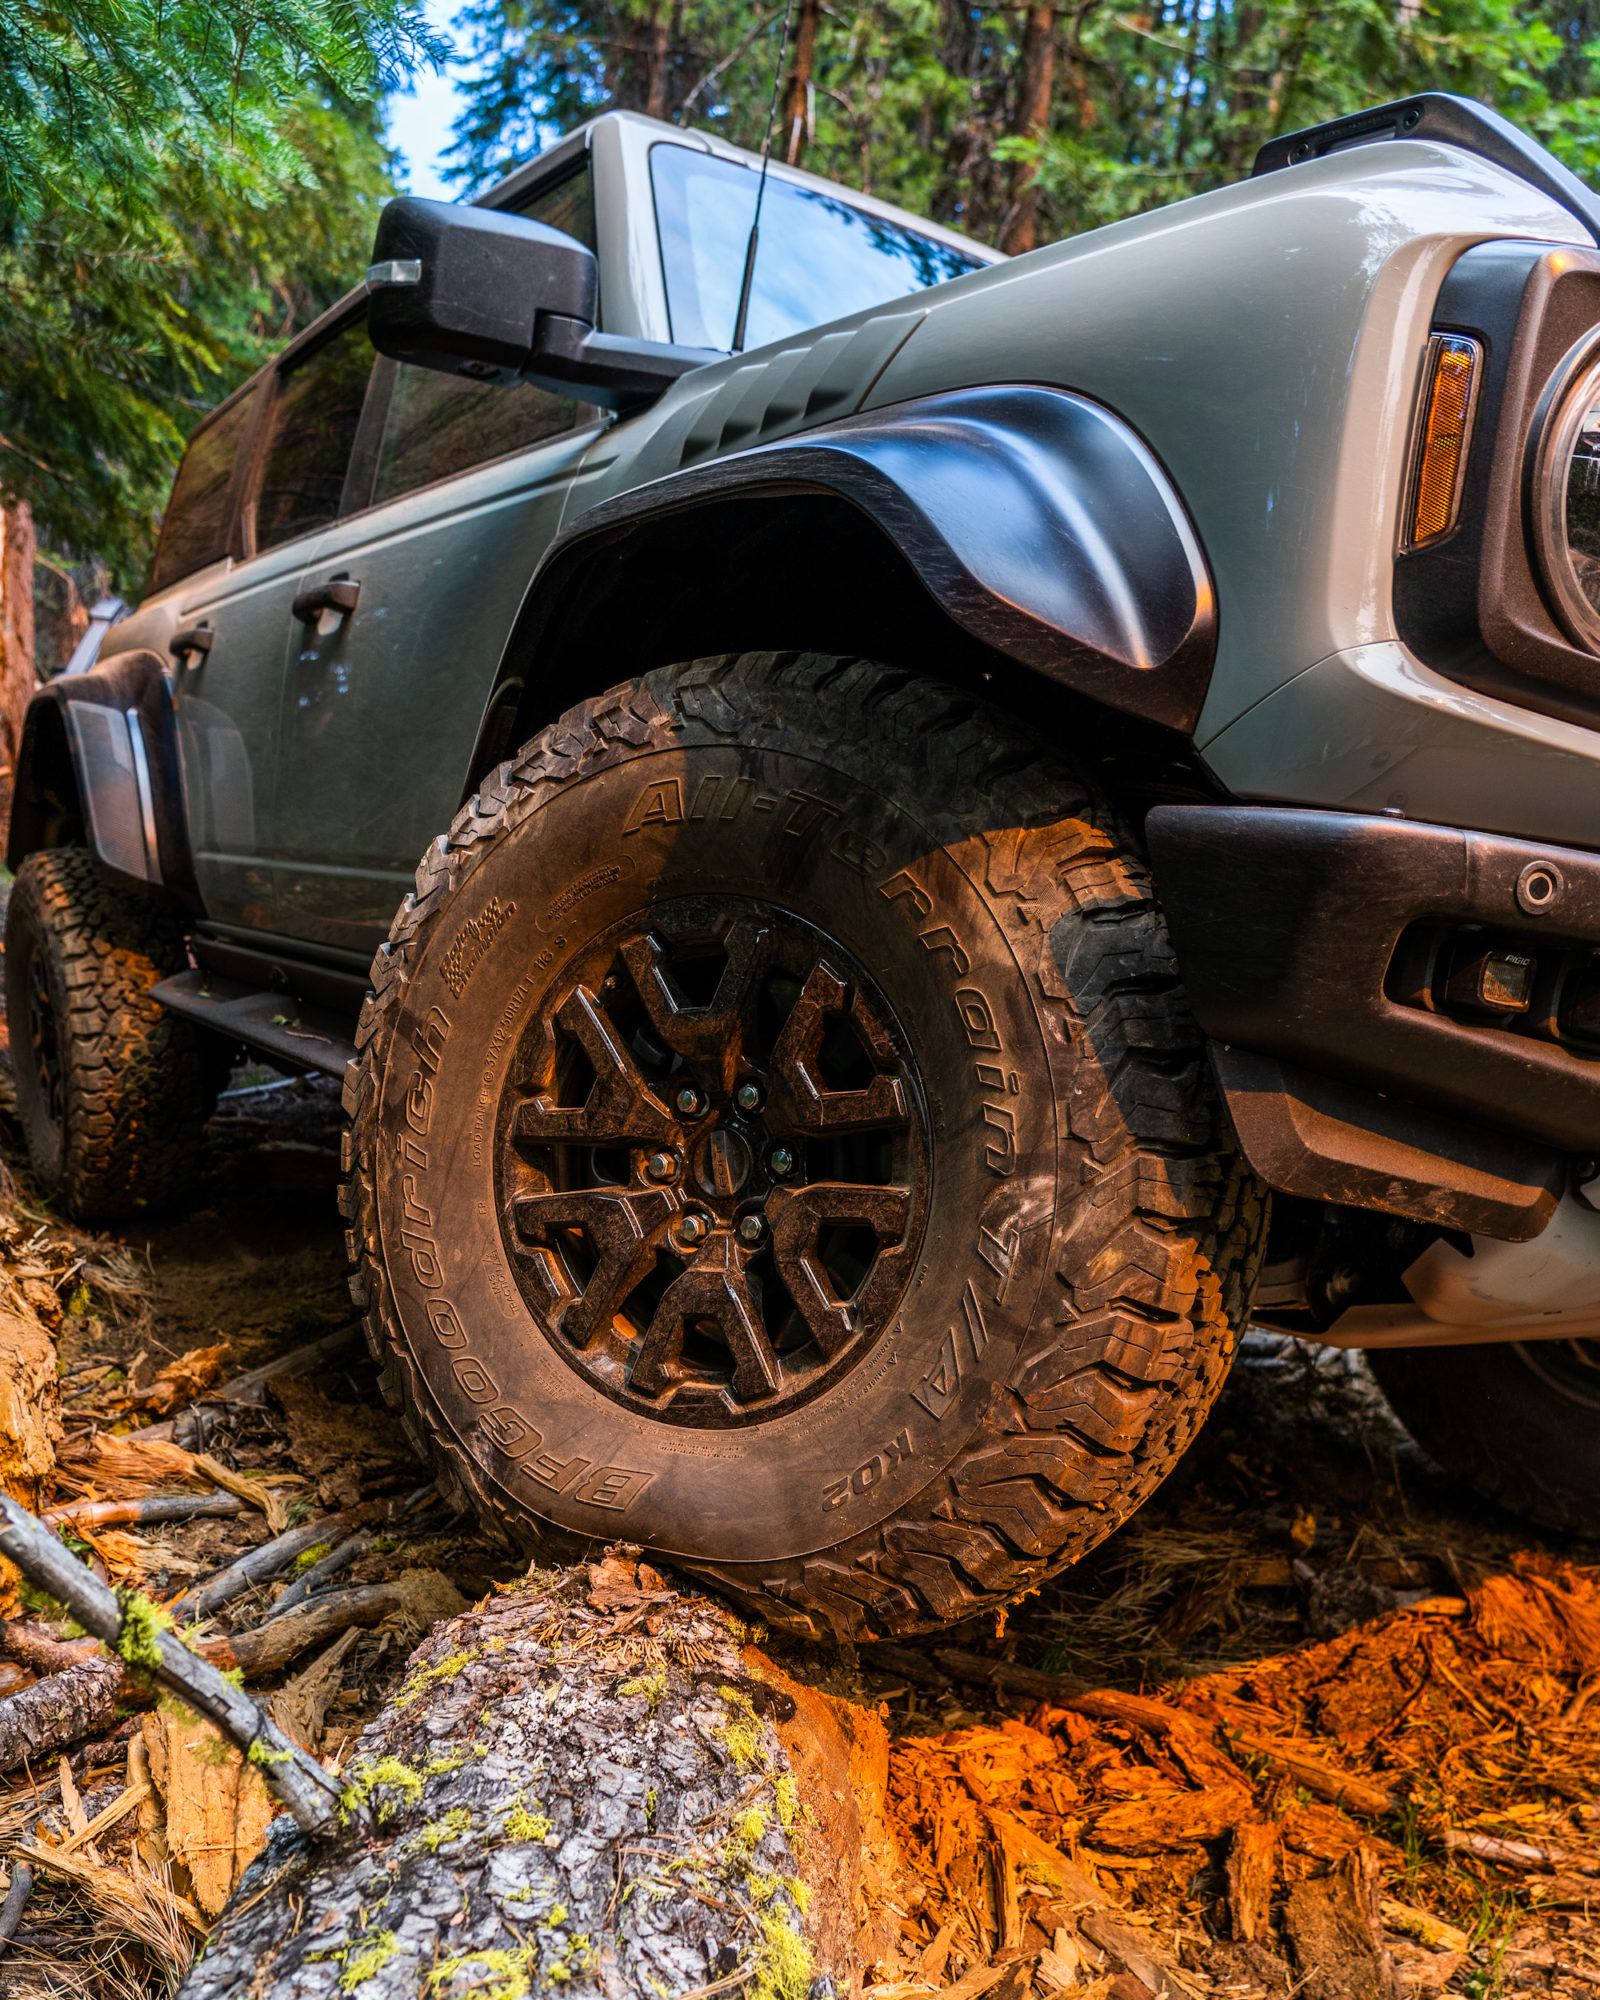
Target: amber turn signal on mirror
x,y
1439,456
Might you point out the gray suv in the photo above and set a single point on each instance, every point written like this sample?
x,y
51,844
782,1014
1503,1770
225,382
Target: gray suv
x,y
982,824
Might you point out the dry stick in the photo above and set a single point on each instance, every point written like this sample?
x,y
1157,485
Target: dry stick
x,y
258,1564
297,1779
16,1901
330,1565
1520,1853
37,1650
276,1643
123,1513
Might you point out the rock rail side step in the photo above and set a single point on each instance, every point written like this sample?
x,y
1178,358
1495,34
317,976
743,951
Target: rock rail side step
x,y
277,1023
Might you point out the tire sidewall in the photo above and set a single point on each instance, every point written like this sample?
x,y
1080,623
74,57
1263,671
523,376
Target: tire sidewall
x,y
711,815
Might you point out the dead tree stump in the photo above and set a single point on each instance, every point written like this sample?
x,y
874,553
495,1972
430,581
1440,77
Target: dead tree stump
x,y
581,1786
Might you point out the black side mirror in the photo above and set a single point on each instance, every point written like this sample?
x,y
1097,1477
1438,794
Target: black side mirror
x,y
472,291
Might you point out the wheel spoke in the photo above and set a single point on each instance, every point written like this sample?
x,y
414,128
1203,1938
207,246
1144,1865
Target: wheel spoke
x,y
620,1110
800,1099
714,1288
621,1229
711,1037
799,1215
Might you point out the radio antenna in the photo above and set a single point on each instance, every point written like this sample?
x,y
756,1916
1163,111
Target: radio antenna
x,y
742,319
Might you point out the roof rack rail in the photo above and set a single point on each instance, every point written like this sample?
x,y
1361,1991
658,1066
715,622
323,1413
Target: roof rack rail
x,y
1454,121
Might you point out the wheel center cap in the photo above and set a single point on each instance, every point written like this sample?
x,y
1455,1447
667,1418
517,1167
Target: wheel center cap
x,y
724,1163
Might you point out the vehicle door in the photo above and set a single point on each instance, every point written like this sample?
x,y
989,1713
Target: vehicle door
x,y
381,705
228,686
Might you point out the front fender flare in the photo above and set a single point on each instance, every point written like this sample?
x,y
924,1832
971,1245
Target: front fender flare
x,y
110,737
1037,520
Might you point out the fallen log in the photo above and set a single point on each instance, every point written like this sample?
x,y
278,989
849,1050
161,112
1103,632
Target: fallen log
x,y
560,1795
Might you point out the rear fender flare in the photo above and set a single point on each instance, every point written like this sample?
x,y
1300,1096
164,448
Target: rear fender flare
x,y
1036,521
99,767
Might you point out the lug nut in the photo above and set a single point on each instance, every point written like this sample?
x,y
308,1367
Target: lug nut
x,y
692,1229
752,1229
661,1167
690,1102
748,1097
781,1161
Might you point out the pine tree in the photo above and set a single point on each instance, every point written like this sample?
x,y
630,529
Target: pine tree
x,y
182,182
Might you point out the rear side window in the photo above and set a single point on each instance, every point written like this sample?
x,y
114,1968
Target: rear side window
x,y
439,424
312,430
817,260
194,529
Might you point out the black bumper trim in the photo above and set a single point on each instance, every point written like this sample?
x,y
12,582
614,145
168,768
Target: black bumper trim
x,y
1285,922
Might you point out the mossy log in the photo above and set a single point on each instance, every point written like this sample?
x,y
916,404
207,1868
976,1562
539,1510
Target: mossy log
x,y
587,1785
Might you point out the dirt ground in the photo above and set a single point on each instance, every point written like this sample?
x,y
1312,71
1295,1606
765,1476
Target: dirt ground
x,y
1354,1672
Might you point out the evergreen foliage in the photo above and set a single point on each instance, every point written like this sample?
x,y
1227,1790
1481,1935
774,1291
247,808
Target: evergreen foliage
x,y
182,183
923,101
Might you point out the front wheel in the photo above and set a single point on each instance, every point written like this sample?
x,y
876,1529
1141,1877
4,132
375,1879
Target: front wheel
x,y
781,1139
1519,1421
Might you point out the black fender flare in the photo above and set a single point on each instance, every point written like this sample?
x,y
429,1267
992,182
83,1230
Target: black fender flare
x,y
98,767
1037,520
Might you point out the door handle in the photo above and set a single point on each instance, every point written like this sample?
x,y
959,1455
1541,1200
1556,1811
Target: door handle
x,y
192,639
341,594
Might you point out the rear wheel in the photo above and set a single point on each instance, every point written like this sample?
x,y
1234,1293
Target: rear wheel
x,y
1519,1422
781,1138
111,1089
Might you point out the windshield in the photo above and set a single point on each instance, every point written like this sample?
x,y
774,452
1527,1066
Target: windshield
x,y
818,259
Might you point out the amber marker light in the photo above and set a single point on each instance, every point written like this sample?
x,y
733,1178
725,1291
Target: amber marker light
x,y
1450,390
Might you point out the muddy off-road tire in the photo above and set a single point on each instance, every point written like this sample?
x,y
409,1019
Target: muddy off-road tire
x,y
1519,1422
780,1139
111,1089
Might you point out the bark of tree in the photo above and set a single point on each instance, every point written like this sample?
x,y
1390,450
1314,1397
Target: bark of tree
x,y
797,112
657,60
586,1783
17,675
1035,87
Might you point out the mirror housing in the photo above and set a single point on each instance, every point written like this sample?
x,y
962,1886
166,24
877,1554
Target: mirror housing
x,y
473,291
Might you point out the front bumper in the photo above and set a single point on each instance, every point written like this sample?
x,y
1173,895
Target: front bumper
x,y
1396,955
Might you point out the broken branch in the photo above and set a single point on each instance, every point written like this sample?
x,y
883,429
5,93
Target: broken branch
x,y
130,1624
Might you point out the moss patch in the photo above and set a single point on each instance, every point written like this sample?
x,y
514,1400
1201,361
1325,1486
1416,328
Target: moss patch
x,y
142,1625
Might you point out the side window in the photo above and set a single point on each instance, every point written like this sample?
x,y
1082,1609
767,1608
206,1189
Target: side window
x,y
194,528
313,427
818,257
439,424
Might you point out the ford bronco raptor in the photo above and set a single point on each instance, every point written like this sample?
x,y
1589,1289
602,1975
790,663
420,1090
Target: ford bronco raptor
x,y
948,789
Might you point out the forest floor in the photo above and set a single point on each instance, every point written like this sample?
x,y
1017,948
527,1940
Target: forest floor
x,y
1351,1669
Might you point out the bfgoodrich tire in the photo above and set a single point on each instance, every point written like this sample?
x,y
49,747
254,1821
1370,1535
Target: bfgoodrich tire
x,y
780,1139
111,1089
1520,1423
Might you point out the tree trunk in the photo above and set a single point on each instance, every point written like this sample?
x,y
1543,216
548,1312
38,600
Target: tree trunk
x,y
1036,86
17,676
798,121
585,1783
657,61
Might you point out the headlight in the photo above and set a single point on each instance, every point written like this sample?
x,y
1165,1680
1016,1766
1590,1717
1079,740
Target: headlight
x,y
1566,500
